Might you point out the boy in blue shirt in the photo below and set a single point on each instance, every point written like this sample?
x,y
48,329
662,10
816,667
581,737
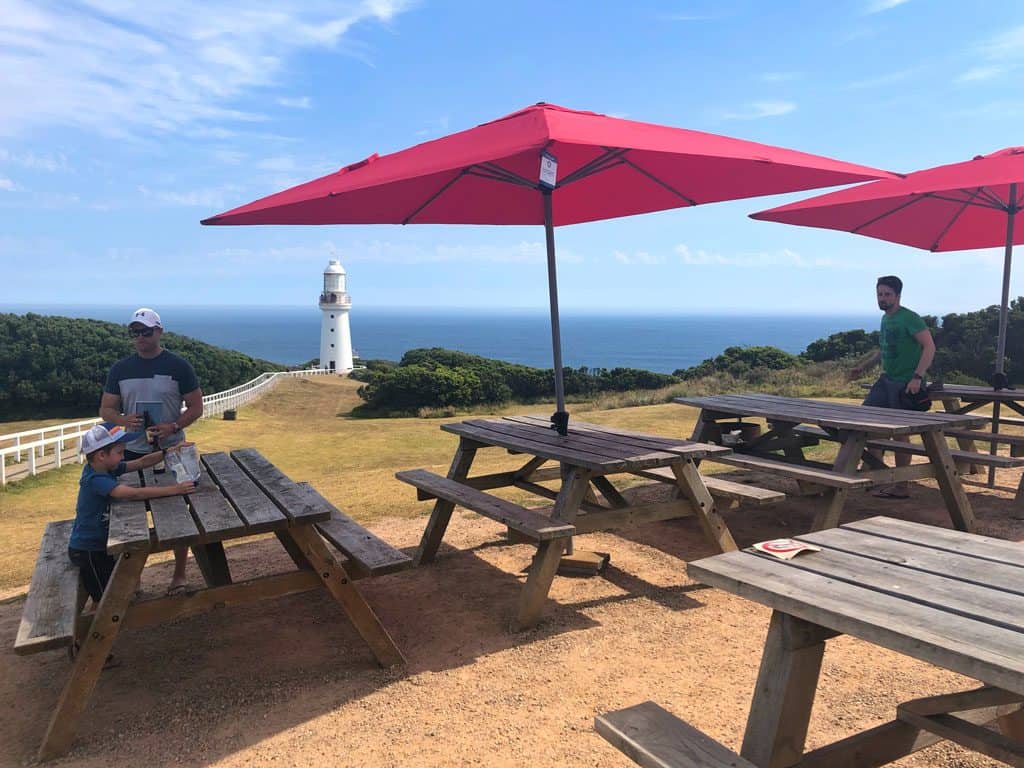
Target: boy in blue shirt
x,y
103,446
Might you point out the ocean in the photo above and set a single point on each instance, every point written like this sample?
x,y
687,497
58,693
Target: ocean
x,y
655,342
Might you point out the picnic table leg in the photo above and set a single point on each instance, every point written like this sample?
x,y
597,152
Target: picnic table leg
x,y
952,405
339,584
549,553
846,463
92,655
443,509
957,503
212,563
692,486
784,694
992,446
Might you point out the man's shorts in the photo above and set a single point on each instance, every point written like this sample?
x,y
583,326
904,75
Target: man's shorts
x,y
885,393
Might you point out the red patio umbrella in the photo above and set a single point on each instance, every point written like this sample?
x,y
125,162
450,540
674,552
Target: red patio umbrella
x,y
955,207
547,165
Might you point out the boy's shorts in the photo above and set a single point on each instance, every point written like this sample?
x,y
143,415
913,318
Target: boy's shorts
x,y
885,393
94,569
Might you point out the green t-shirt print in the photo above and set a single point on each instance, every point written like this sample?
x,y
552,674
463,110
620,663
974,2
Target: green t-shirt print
x,y
900,350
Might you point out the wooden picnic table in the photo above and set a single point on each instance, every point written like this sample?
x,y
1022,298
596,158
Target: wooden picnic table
x,y
239,496
582,463
796,423
951,599
964,398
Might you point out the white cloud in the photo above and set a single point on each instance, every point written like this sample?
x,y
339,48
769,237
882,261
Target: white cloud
x,y
1002,54
784,257
6,184
204,198
104,66
758,109
640,257
979,73
296,103
877,6
882,80
47,161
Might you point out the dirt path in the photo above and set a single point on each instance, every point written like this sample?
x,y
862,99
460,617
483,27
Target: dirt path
x,y
289,682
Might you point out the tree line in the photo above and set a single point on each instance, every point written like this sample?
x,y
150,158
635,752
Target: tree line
x,y
54,366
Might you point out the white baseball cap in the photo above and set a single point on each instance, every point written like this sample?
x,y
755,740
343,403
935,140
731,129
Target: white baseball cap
x,y
102,435
147,317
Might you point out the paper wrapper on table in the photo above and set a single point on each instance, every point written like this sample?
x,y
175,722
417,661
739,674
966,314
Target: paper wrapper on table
x,y
785,549
183,461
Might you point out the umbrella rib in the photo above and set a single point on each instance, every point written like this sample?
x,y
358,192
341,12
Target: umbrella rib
x,y
608,159
952,221
495,173
990,200
915,199
656,180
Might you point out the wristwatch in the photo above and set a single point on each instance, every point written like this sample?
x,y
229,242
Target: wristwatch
x,y
915,376
178,429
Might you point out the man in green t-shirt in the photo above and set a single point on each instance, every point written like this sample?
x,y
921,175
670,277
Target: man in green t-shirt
x,y
906,351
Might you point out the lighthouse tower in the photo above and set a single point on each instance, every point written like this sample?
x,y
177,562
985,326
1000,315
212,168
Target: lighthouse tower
x,y
335,335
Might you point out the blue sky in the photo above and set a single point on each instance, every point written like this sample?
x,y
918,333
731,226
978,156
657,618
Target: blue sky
x,y
122,128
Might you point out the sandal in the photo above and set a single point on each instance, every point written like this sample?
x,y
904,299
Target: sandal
x,y
176,589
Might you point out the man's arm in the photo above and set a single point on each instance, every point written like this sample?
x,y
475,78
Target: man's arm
x,y
110,410
193,412
865,364
924,338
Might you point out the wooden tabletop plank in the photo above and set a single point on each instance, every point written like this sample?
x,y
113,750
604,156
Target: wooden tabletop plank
x,y
887,421
282,490
972,394
172,520
982,547
685,448
916,557
258,512
585,441
535,447
958,592
819,409
978,649
216,518
129,522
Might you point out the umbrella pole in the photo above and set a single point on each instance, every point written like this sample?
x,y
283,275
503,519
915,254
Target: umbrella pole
x,y
560,418
1004,308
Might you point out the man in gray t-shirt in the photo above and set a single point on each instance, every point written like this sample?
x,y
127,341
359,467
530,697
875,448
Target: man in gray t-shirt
x,y
156,382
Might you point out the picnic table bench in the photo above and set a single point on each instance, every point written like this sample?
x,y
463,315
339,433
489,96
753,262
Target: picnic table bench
x,y
948,598
963,398
581,464
238,496
795,423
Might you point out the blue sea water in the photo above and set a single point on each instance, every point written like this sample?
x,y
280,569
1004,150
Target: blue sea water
x,y
663,343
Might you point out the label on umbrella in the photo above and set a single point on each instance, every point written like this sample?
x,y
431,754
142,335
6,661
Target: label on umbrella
x,y
548,170
785,549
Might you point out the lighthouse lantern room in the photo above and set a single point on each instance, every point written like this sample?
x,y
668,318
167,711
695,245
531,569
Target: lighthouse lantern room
x,y
335,335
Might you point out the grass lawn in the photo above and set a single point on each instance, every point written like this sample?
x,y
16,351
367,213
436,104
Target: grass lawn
x,y
304,428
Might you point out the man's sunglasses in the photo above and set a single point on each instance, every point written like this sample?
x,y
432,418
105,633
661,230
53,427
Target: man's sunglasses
x,y
136,332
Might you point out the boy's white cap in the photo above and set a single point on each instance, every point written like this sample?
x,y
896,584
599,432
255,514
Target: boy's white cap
x,y
147,317
102,435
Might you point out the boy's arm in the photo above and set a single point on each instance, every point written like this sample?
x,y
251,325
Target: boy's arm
x,y
146,461
127,493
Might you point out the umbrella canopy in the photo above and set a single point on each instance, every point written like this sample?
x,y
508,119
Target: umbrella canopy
x,y
973,204
547,165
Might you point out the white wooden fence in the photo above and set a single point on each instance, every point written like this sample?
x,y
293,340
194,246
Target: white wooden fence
x,y
24,454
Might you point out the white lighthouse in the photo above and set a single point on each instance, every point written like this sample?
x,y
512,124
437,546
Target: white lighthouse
x,y
335,335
